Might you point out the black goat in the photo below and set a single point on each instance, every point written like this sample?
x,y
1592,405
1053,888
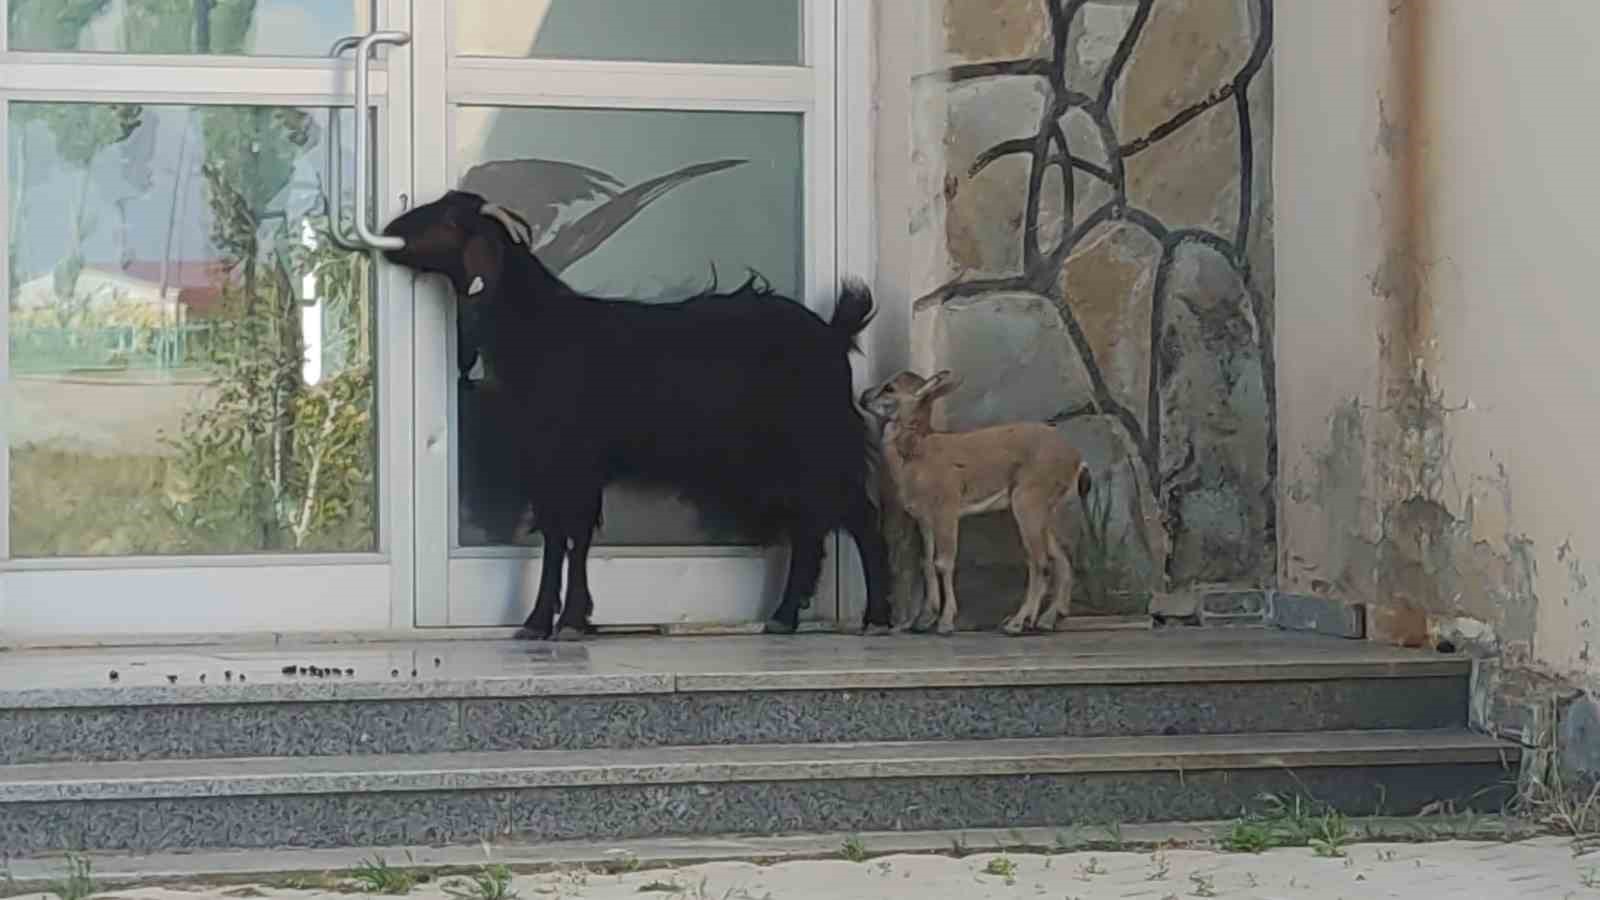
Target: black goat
x,y
739,401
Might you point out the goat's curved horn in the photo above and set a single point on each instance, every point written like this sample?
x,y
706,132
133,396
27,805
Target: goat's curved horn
x,y
520,232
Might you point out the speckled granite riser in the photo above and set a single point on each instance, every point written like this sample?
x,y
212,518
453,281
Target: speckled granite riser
x,y
679,719
619,812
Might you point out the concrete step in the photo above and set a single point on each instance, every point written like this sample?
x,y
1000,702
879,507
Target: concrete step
x,y
842,693
547,795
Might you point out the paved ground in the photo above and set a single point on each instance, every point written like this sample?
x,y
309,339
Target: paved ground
x,y
1542,869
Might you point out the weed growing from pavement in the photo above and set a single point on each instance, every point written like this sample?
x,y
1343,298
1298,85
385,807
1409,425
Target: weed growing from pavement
x,y
854,850
1329,835
491,882
376,876
1159,867
79,882
1004,867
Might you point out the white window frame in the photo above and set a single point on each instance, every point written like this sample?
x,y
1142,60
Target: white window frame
x,y
98,599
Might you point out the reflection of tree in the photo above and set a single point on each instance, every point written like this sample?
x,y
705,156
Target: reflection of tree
x,y
265,462
1042,265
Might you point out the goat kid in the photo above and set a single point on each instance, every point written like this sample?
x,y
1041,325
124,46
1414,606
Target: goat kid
x,y
741,402
939,477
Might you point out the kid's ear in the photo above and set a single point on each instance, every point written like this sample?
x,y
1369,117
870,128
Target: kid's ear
x,y
943,382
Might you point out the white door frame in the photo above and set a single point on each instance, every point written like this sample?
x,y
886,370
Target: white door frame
x,y
405,584
476,587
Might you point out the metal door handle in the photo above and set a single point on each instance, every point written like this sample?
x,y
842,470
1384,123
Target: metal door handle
x,y
364,231
336,232
365,238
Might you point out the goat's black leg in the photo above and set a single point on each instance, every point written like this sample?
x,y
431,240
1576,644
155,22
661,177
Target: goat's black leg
x,y
863,523
541,622
579,606
805,569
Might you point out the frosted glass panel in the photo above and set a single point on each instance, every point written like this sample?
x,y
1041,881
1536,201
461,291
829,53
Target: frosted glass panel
x,y
645,205
752,32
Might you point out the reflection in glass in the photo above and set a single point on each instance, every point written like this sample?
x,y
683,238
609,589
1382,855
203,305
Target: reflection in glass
x,y
168,277
223,27
644,204
750,32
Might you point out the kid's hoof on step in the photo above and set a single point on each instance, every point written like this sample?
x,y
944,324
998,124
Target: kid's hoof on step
x,y
570,634
776,626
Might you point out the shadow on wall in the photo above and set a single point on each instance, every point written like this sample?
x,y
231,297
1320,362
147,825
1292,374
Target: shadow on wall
x,y
1107,214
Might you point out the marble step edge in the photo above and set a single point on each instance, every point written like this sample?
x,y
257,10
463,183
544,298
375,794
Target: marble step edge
x,y
520,770
1023,673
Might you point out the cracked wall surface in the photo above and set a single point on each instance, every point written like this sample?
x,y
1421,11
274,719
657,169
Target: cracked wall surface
x,y
1084,232
1436,323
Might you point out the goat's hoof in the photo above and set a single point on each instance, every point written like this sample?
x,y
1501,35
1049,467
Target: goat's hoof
x,y
531,634
778,626
878,630
946,630
570,634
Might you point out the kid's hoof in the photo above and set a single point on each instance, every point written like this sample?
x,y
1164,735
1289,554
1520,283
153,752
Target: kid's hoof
x,y
775,626
946,630
531,634
569,634
878,630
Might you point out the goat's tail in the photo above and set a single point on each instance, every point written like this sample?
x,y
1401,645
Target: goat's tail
x,y
853,312
1085,483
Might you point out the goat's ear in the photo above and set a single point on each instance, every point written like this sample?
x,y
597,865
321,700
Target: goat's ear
x,y
482,261
943,382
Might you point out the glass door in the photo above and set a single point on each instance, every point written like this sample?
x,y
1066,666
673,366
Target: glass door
x,y
657,148
207,394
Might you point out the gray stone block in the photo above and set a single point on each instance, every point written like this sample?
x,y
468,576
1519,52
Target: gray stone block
x,y
1320,615
1230,602
1181,608
1580,740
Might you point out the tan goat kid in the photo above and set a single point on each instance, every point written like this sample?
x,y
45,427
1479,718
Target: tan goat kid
x,y
941,476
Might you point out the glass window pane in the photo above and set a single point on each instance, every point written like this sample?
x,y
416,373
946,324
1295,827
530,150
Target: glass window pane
x,y
648,205
751,32
191,361
222,27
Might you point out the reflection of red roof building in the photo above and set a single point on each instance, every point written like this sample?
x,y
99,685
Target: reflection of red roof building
x,y
197,283
193,286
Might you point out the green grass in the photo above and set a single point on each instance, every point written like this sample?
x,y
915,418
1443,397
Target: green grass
x,y
1002,866
1289,822
492,882
854,850
79,881
376,876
